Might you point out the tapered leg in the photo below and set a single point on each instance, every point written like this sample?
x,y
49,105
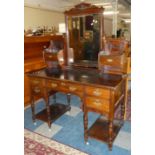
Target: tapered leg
x,y
85,126
110,135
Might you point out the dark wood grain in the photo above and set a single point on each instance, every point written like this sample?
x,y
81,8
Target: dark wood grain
x,y
34,45
99,92
83,9
100,130
56,110
90,77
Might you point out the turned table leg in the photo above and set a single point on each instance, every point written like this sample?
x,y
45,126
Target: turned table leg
x,y
125,97
85,126
110,135
33,109
69,99
46,98
122,112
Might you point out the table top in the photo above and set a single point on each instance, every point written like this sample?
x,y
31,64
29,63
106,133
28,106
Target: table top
x,y
83,76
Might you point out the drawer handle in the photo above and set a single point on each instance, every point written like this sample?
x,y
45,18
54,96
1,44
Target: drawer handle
x,y
63,84
36,90
72,88
35,82
54,85
97,92
97,102
109,60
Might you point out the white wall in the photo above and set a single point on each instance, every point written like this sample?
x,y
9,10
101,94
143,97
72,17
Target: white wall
x,y
38,17
34,17
108,26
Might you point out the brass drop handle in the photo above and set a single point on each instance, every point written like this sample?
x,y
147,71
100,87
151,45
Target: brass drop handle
x,y
54,85
96,92
35,82
109,60
50,56
97,102
72,88
37,90
44,47
63,84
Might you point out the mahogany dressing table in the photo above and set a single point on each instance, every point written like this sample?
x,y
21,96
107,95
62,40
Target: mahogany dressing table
x,y
101,93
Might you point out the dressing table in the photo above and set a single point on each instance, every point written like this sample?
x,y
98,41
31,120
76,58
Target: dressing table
x,y
101,93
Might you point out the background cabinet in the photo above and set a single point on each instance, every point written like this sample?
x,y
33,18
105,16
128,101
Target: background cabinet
x,y
33,58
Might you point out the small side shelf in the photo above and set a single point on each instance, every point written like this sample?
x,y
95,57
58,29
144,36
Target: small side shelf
x,y
56,110
99,130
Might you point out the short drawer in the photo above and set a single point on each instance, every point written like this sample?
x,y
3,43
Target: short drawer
x,y
101,105
74,88
63,86
53,84
116,60
35,81
36,85
98,92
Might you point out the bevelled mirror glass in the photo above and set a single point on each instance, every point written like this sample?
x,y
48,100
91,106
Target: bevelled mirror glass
x,y
84,34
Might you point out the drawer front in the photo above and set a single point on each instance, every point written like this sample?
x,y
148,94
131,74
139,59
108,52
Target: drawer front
x,y
35,82
98,92
65,87
101,105
36,85
115,63
74,88
113,60
55,85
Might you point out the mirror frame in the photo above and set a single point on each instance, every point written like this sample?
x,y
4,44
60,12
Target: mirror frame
x,y
83,9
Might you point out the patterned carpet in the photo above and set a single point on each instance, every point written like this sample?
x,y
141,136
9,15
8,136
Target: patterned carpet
x,y
68,130
35,144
